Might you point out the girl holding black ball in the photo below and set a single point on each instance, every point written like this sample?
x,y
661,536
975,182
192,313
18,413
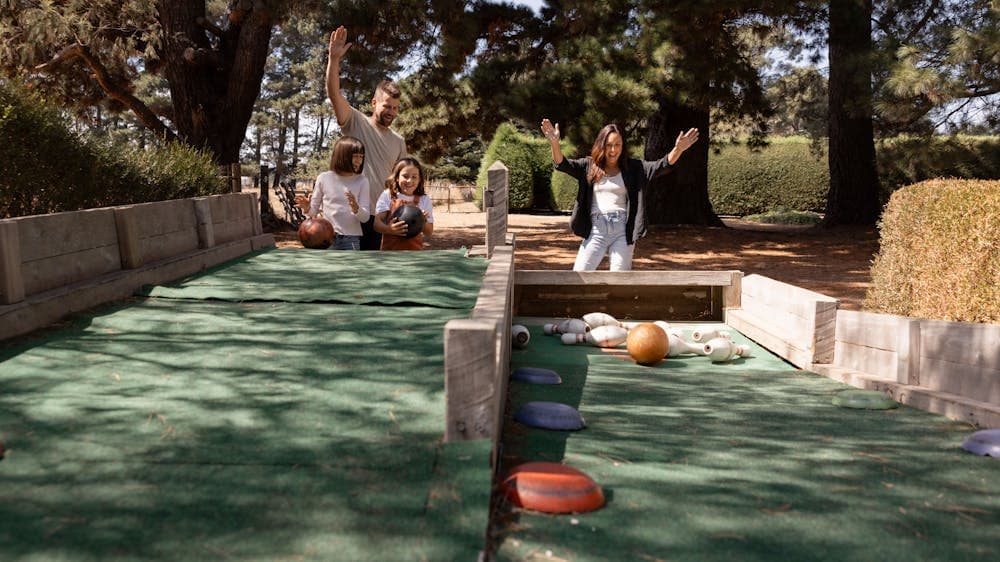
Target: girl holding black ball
x,y
404,187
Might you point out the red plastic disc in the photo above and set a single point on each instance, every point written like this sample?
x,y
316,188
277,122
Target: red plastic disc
x,y
552,488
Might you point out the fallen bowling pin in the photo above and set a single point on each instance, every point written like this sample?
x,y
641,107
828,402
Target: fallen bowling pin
x,y
568,326
596,319
705,335
720,350
666,327
519,336
601,336
680,347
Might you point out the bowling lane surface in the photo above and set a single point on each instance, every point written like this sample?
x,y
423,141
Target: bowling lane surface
x,y
189,429
746,460
441,278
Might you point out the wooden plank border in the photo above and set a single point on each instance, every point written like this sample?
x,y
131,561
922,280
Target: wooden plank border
x,y
98,255
949,368
477,357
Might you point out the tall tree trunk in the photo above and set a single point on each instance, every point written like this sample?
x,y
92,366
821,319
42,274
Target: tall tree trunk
x,y
680,197
279,159
295,138
213,90
854,186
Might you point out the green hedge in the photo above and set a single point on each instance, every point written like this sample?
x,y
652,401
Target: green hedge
x,y
908,160
783,175
46,168
529,163
939,252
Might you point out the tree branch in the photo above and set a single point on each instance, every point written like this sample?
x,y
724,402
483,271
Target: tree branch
x,y
203,57
111,87
920,25
207,25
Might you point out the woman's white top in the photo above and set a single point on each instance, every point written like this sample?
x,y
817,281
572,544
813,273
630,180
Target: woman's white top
x,y
610,195
329,194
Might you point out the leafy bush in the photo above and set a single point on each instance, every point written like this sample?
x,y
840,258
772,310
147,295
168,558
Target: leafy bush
x,y
783,175
938,252
46,168
528,162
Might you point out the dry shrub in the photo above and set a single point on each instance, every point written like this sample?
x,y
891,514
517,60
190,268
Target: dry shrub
x,y
939,255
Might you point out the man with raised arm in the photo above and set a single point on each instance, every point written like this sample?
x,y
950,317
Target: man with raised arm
x,y
383,146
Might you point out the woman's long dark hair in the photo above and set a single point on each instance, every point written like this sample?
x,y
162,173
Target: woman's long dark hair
x,y
598,156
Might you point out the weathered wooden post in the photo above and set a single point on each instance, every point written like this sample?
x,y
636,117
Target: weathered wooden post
x,y
495,204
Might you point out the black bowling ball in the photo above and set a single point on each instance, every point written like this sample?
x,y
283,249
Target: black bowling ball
x,y
412,216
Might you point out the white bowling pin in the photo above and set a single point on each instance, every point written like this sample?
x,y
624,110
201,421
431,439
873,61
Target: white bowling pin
x,y
666,327
705,335
680,347
596,319
519,336
568,326
722,349
601,336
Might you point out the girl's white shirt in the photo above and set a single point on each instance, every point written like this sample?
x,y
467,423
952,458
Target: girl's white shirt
x,y
385,202
329,194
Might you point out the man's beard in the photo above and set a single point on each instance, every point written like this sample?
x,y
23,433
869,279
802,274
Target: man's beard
x,y
385,120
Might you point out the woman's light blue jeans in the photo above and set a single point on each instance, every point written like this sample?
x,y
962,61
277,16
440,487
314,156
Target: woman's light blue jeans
x,y
607,235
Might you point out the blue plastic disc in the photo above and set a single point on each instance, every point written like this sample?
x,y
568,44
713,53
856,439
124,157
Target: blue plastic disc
x,y
550,415
985,443
536,375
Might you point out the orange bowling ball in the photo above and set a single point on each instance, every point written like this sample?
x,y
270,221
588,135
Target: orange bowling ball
x,y
647,343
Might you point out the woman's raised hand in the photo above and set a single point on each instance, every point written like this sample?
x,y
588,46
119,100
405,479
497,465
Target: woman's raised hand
x,y
550,131
686,139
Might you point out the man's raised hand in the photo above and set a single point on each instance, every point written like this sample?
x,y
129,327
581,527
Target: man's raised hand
x,y
338,43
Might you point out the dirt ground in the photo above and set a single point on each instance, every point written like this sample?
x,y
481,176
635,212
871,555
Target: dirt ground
x,y
835,262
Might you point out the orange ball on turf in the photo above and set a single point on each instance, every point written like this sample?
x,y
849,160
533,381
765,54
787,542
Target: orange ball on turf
x,y
647,343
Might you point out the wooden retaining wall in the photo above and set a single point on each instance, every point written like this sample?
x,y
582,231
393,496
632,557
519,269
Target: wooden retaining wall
x,y
57,264
647,295
794,323
950,368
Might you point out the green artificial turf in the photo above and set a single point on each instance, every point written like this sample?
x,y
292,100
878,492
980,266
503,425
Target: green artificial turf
x,y
272,429
747,460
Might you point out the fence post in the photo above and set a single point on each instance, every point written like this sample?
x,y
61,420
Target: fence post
x,y
265,207
495,203
236,173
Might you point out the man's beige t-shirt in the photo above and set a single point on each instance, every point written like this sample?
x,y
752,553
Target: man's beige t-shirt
x,y
383,148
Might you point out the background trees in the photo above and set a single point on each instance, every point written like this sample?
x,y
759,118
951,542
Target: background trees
x,y
248,73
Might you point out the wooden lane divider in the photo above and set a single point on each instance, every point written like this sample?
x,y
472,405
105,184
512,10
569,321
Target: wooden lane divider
x,y
57,264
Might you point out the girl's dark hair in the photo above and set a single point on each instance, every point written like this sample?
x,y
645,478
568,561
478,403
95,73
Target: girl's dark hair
x,y
598,156
340,158
391,182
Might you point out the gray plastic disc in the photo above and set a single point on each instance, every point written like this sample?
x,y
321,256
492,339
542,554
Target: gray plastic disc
x,y
550,415
985,443
536,375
